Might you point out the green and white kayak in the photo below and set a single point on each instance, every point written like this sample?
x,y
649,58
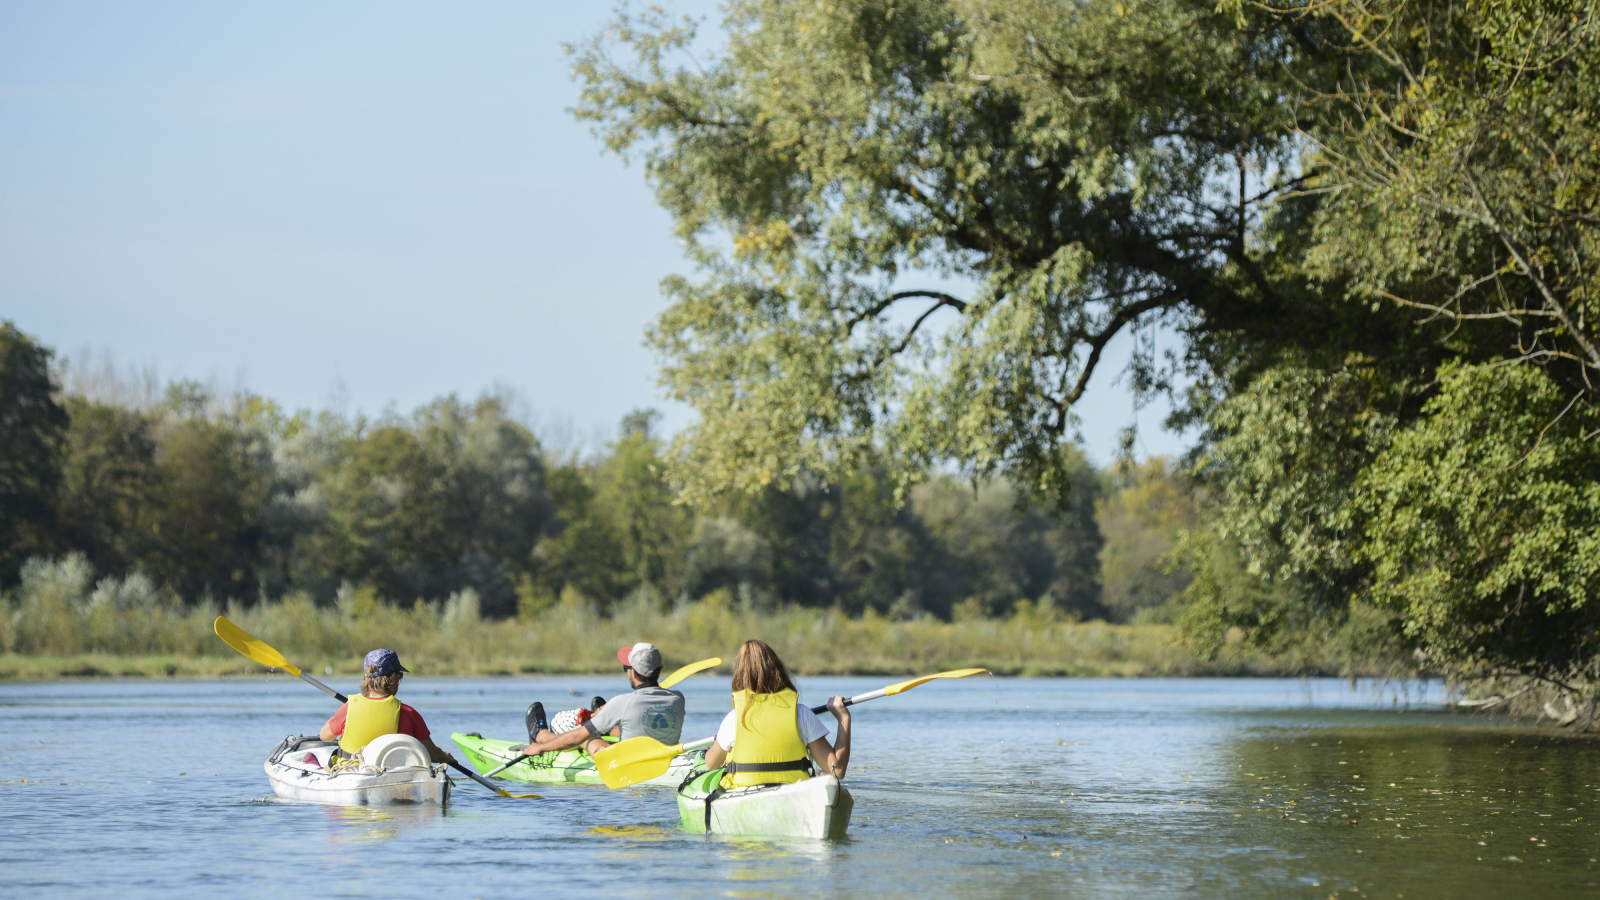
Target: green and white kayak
x,y
561,767
814,808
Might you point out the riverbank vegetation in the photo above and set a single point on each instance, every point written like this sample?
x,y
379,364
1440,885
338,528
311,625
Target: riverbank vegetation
x,y
62,623
455,536
156,505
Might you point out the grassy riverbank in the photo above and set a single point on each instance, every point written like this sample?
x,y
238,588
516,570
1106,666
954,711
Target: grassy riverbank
x,y
40,642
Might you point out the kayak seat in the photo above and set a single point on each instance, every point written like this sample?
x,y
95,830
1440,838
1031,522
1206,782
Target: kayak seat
x,y
394,751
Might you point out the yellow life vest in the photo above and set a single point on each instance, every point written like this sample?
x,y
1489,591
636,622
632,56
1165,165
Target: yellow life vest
x,y
367,719
766,745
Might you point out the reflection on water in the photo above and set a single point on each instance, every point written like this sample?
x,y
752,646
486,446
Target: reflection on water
x,y
999,788
633,832
375,824
1475,803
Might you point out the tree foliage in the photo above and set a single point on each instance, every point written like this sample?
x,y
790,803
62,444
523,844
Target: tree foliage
x,y
31,426
197,496
1411,470
1141,524
1373,221
1086,167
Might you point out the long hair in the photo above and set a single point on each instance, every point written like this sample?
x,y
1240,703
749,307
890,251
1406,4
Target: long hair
x,y
373,683
759,670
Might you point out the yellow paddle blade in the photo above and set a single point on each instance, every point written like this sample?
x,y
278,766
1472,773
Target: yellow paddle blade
x,y
240,640
690,669
511,796
634,760
908,685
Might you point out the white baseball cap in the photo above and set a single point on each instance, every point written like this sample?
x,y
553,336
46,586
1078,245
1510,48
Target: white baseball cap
x,y
642,657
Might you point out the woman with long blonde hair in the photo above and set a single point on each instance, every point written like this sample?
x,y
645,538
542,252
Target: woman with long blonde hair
x,y
770,738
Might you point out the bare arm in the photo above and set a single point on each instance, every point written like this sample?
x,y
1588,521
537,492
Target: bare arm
x,y
563,741
834,758
327,733
439,754
715,756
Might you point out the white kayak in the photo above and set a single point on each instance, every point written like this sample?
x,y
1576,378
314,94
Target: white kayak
x,y
394,768
817,807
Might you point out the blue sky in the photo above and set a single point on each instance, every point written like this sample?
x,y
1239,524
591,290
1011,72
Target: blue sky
x,y
361,205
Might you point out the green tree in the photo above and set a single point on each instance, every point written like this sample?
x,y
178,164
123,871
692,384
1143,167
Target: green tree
x,y
32,424
109,476
454,498
1140,522
582,549
200,529
1460,151
1482,526
652,529
1456,155
1086,165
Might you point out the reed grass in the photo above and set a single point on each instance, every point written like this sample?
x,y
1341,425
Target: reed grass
x,y
46,634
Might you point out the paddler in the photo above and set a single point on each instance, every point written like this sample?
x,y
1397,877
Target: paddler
x,y
769,738
376,711
650,710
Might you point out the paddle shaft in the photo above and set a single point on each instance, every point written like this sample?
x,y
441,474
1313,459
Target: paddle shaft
x,y
649,759
496,771
324,688
476,777
706,742
859,698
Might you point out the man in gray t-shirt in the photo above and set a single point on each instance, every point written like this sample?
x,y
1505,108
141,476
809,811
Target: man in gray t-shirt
x,y
650,711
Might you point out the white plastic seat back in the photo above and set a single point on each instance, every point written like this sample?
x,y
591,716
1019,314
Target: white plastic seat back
x,y
394,751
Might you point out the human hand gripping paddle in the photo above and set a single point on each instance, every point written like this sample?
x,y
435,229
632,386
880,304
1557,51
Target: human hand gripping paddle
x,y
667,682
642,758
256,650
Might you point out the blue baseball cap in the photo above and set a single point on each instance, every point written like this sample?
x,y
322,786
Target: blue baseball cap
x,y
387,662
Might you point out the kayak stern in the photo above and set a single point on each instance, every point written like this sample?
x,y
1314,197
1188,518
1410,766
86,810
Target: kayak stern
x,y
817,807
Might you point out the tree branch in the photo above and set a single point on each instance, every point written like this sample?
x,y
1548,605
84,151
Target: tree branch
x,y
1097,346
878,308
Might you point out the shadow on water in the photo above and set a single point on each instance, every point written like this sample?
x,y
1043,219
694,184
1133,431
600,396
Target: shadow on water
x,y
1441,810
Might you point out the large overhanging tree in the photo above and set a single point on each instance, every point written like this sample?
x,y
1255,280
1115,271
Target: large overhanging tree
x,y
1087,169
1457,486
1366,216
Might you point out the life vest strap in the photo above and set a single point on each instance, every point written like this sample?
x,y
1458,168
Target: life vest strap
x,y
793,765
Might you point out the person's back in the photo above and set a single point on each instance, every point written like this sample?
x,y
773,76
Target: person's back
x,y
769,746
375,711
366,719
650,710
769,737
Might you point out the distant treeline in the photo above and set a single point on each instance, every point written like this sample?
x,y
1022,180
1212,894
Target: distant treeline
x,y
180,495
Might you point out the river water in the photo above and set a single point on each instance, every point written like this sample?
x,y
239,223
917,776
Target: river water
x,y
977,788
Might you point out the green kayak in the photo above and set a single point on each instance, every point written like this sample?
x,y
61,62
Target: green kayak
x,y
814,808
561,767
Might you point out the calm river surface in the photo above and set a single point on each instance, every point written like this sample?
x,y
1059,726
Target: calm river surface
x,y
979,788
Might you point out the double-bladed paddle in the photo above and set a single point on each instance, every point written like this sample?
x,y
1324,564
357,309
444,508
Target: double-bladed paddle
x,y
643,758
253,648
667,682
